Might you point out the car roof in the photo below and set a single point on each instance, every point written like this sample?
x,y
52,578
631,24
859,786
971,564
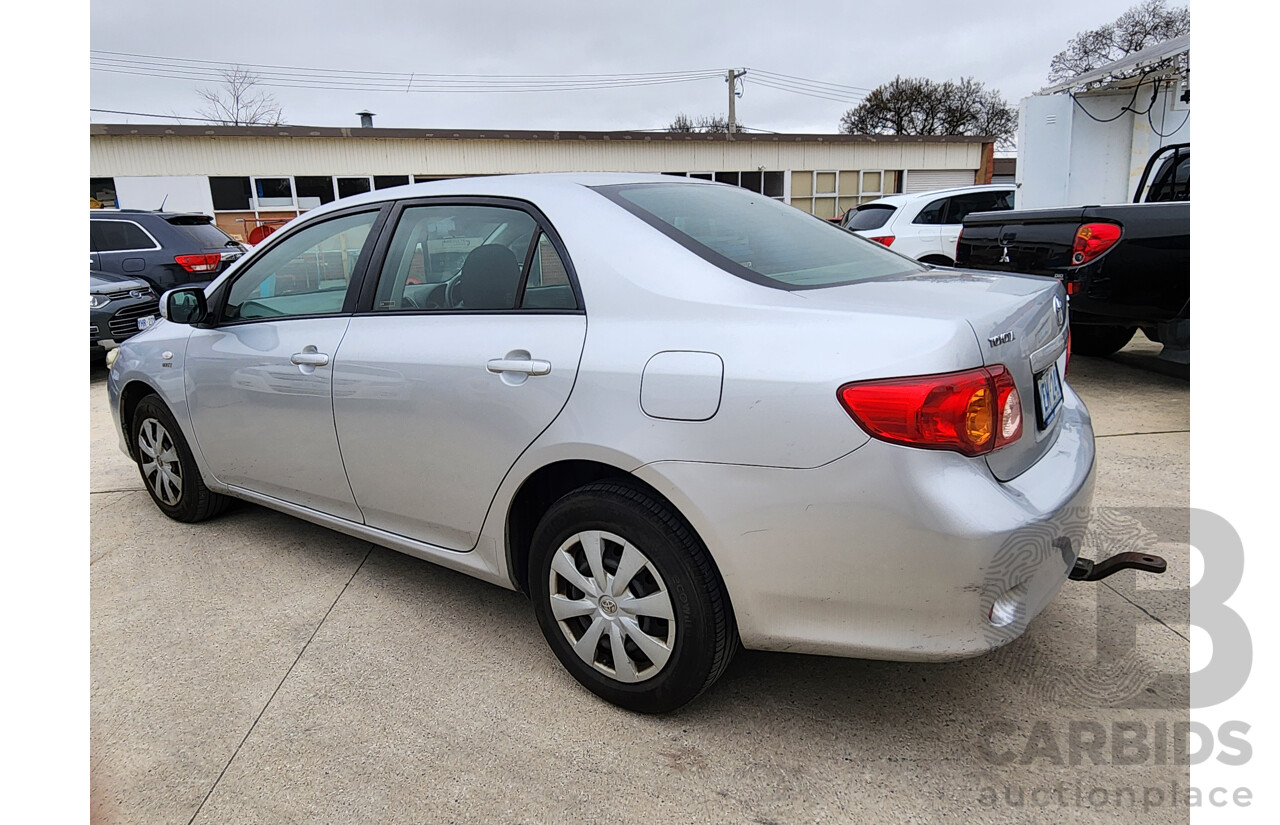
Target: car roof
x,y
531,187
901,200
135,213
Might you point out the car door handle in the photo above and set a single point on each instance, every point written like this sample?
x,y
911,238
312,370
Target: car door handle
x,y
528,367
309,358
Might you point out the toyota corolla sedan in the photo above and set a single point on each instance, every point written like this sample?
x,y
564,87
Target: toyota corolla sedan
x,y
679,415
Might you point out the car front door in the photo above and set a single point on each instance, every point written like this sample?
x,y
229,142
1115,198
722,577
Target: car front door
x,y
925,235
464,350
260,381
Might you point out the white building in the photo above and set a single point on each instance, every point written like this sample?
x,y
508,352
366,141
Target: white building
x,y
247,176
1080,143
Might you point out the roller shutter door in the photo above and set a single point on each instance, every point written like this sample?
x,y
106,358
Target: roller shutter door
x,y
925,179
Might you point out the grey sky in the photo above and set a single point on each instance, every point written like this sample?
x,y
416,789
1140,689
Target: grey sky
x,y
1005,44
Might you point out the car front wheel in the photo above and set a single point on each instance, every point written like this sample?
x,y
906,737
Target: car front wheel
x,y
628,599
167,467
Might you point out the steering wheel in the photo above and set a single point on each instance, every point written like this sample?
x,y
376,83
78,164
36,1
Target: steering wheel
x,y
451,300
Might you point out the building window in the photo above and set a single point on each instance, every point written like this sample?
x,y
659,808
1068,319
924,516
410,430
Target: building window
x,y
273,193
388,181
313,191
102,193
230,194
770,184
354,186
831,194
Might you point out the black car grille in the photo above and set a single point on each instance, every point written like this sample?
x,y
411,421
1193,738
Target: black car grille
x,y
125,322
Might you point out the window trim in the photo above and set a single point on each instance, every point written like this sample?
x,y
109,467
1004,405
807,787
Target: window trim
x,y
94,219
218,299
368,291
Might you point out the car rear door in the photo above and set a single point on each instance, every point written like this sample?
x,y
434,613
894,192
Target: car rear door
x,y
260,382
959,206
464,349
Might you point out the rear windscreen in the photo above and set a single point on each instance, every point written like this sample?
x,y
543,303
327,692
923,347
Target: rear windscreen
x,y
201,231
756,237
870,216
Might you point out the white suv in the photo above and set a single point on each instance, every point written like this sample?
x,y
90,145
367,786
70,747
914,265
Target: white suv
x,y
926,225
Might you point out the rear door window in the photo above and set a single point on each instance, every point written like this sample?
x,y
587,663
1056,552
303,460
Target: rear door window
x,y
119,236
962,205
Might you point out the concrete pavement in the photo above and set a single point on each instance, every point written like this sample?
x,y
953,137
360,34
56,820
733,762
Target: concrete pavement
x,y
259,669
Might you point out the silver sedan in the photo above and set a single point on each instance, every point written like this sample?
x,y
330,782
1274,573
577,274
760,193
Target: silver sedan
x,y
680,416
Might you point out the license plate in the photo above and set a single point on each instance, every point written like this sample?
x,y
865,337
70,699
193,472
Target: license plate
x,y
148,322
1048,396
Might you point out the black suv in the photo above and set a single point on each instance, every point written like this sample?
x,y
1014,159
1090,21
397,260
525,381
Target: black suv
x,y
166,249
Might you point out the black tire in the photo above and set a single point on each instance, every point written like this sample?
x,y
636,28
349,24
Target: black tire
x,y
937,260
1097,340
704,631
188,499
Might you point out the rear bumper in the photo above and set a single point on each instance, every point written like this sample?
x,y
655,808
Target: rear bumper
x,y
891,552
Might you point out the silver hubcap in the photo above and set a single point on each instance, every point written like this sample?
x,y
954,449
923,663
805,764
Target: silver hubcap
x,y
160,465
612,606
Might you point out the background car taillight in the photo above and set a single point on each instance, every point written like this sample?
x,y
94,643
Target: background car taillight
x,y
1092,239
887,240
972,412
199,263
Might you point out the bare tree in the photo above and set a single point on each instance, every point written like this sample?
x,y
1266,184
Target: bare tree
x,y
919,106
1145,24
702,123
240,101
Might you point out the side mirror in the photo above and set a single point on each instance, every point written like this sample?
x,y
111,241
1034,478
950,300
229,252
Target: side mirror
x,y
184,306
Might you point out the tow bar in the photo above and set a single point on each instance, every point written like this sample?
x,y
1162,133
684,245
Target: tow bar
x,y
1091,571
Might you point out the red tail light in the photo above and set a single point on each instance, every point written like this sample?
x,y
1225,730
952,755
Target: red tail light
x,y
1067,364
199,263
1092,239
972,412
887,240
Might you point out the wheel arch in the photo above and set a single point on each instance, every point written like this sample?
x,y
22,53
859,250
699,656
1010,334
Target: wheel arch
x,y
548,484
130,395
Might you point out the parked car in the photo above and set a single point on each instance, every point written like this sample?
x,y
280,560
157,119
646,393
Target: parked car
x,y
926,225
165,249
1126,266
675,413
119,308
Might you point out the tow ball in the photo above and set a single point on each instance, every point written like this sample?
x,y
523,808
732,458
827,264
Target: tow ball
x,y
1092,571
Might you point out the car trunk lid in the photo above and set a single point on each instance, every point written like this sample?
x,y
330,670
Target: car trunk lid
x,y
1018,321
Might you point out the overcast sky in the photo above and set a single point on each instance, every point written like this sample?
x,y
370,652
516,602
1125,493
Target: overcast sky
x,y
1005,44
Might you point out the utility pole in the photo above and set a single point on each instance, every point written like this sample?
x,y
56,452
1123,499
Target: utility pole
x,y
734,76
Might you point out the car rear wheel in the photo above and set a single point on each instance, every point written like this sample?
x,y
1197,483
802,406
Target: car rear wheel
x,y
167,467
1099,340
628,599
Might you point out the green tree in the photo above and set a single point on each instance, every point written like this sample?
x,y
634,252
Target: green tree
x,y
919,106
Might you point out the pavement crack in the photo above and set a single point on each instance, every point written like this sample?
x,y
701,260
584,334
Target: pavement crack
x,y
1144,432
283,679
121,490
1153,616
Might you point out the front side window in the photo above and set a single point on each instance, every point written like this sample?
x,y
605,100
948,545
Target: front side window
x,y
455,257
307,273
757,238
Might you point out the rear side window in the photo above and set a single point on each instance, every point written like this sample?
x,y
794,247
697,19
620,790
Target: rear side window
x,y
962,205
871,216
1173,181
119,236
755,237
932,214
199,232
